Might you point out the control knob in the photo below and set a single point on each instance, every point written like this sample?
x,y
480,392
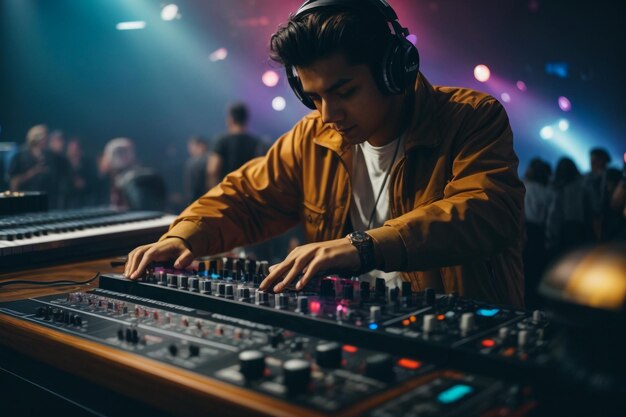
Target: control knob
x,y
328,355
297,375
251,364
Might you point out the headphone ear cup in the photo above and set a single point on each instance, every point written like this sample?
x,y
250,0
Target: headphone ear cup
x,y
389,76
399,67
410,64
296,87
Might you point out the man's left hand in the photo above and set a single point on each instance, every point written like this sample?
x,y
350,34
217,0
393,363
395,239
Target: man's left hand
x,y
311,259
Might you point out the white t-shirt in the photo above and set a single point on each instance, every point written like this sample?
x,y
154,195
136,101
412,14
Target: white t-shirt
x,y
369,169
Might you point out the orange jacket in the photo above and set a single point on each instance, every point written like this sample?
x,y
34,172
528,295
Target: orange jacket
x,y
456,199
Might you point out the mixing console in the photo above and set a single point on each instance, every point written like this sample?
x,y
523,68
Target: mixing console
x,y
316,374
396,319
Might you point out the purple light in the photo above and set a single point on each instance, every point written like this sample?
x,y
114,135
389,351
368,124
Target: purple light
x,y
270,78
565,104
412,38
506,97
521,85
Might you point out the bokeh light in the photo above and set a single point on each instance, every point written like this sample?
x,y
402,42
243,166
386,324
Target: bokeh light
x,y
521,85
565,104
279,103
218,55
139,24
270,78
506,97
169,12
482,73
412,38
546,132
563,125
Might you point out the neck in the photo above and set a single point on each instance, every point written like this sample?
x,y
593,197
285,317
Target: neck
x,y
237,129
398,115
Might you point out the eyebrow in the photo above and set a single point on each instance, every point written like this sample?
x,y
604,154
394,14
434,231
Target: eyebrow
x,y
333,87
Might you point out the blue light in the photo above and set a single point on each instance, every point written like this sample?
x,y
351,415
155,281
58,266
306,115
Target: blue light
x,y
487,312
215,276
454,393
373,326
558,69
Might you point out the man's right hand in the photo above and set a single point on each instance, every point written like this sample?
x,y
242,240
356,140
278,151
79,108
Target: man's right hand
x,y
164,250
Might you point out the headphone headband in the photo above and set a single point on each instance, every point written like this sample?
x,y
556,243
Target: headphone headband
x,y
397,72
381,5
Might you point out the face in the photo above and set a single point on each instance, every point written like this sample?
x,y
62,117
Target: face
x,y
598,164
350,102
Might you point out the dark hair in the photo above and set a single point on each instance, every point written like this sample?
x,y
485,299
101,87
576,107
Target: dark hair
x,y
538,171
600,153
360,34
239,113
199,140
566,172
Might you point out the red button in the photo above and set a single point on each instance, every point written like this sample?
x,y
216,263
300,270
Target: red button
x,y
409,363
488,343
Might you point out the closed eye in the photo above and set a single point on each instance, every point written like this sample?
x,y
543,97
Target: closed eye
x,y
347,94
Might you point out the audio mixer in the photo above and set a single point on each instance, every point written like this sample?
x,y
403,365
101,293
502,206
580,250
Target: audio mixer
x,y
444,327
308,372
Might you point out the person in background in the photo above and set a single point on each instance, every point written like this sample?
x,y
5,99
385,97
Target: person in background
x,y
234,148
536,202
132,186
36,168
618,202
83,176
56,145
568,223
596,187
117,159
195,175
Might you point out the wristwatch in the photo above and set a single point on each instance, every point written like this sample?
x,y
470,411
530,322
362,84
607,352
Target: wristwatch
x,y
365,245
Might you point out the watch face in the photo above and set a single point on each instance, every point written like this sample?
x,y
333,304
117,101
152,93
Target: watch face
x,y
358,237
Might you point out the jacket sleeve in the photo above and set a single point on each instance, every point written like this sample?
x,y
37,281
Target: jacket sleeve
x,y
255,202
481,211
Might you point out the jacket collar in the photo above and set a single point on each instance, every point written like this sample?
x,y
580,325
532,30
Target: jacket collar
x,y
423,131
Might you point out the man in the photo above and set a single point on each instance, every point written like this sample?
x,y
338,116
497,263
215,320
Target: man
x,y
425,176
195,172
36,168
234,148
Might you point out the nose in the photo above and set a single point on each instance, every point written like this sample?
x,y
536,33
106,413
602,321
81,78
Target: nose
x,y
332,111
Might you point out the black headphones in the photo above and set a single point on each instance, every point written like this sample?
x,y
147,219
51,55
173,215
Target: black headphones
x,y
401,60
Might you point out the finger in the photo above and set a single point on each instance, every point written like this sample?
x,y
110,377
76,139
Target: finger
x,y
313,268
184,259
149,256
132,261
278,271
296,269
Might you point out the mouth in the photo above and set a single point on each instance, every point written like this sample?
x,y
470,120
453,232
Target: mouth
x,y
346,131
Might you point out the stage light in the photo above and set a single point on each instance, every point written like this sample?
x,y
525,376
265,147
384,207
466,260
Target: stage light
x,y
482,73
412,38
139,24
270,78
565,104
278,103
563,125
521,85
506,97
218,55
169,12
546,132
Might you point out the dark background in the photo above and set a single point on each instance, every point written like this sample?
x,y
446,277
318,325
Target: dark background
x,y
63,63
